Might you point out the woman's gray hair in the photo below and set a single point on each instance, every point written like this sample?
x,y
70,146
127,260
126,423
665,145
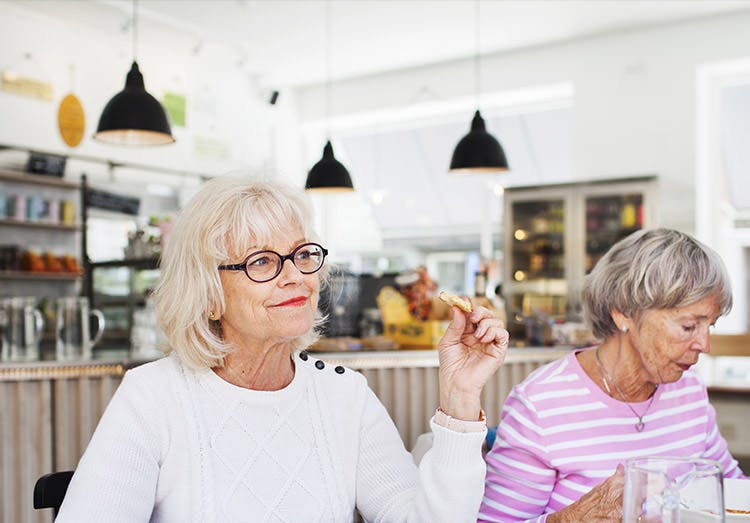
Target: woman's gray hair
x,y
227,217
652,269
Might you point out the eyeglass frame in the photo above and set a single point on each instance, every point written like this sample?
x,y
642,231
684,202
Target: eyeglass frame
x,y
282,257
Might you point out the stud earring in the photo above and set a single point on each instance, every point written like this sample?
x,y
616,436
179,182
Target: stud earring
x,y
624,329
212,316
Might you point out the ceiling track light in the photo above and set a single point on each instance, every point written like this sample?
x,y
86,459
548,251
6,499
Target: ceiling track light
x,y
478,151
133,116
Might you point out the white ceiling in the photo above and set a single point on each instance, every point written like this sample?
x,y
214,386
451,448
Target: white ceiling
x,y
283,42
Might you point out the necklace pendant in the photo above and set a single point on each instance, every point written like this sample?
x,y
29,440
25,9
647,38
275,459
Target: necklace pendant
x,y
639,426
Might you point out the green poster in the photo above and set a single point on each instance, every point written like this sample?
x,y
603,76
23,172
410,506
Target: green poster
x,y
175,105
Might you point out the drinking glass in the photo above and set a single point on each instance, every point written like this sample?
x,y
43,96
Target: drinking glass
x,y
673,490
21,328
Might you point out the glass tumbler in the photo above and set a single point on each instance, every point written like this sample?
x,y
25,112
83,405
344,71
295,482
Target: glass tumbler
x,y
673,490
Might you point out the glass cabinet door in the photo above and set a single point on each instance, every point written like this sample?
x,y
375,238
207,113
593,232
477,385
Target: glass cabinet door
x,y
608,220
538,247
537,268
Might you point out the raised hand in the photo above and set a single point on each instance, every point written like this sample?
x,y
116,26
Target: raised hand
x,y
471,350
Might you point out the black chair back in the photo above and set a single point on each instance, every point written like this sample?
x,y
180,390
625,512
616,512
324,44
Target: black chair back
x,y
50,489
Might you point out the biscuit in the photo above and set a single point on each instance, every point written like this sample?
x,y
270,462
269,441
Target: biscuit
x,y
458,301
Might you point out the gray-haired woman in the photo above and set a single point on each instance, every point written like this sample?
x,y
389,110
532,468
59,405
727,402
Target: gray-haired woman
x,y
238,425
566,429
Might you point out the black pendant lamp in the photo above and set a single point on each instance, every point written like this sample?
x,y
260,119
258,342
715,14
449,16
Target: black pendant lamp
x,y
133,116
478,151
328,175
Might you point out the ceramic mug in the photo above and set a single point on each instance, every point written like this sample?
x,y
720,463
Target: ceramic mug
x,y
22,326
74,339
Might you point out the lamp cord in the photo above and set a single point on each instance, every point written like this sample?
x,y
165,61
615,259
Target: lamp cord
x,y
477,81
328,69
135,30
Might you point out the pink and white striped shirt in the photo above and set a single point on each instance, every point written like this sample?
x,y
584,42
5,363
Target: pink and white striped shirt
x,y
560,435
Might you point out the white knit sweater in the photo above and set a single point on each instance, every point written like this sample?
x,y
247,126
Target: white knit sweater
x,y
180,445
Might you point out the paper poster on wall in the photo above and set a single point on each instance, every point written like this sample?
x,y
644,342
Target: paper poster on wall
x,y
210,148
175,105
71,120
25,86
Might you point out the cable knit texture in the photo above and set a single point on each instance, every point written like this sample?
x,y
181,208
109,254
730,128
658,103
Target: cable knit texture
x,y
180,445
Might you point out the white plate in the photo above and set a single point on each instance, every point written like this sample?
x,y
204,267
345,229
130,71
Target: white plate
x,y
736,496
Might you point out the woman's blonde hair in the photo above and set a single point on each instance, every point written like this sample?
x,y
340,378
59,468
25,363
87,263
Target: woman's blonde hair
x,y
227,217
652,269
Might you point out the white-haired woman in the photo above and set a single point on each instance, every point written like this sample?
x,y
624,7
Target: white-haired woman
x,y
565,431
238,423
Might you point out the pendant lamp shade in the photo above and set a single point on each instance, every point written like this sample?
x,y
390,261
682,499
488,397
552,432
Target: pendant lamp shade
x,y
478,151
133,116
328,174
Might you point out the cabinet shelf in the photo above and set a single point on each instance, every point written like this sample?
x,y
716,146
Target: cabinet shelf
x,y
37,179
134,263
29,275
108,300
40,225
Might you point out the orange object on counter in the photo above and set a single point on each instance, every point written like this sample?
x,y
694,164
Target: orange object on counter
x,y
31,261
70,264
51,263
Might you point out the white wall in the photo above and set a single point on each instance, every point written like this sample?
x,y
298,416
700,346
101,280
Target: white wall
x,y
223,101
634,97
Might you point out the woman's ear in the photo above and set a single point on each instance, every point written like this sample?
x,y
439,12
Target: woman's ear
x,y
622,322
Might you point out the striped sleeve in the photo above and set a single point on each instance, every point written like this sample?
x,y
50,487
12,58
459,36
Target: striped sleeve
x,y
716,447
519,478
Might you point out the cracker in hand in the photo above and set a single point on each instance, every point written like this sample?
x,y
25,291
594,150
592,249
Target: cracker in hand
x,y
458,301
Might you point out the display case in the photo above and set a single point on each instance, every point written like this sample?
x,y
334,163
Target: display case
x,y
120,288
554,235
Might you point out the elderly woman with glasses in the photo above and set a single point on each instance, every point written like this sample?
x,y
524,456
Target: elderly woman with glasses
x,y
239,423
567,429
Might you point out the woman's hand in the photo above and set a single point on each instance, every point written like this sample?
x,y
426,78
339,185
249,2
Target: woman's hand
x,y
601,503
471,350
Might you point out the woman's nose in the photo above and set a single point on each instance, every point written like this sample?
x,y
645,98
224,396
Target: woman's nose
x,y
289,272
703,340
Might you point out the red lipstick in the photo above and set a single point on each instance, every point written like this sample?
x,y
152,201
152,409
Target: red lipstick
x,y
293,302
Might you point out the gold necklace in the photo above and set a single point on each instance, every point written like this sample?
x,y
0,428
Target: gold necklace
x,y
605,374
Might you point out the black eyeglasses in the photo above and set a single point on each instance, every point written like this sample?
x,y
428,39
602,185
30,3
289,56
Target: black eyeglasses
x,y
263,266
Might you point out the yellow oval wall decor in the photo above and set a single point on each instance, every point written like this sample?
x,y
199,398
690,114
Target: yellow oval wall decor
x,y
71,120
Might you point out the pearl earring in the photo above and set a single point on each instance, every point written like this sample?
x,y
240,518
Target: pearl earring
x,y
624,329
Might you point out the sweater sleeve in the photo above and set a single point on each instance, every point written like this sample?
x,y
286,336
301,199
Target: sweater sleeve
x,y
115,480
447,486
519,479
